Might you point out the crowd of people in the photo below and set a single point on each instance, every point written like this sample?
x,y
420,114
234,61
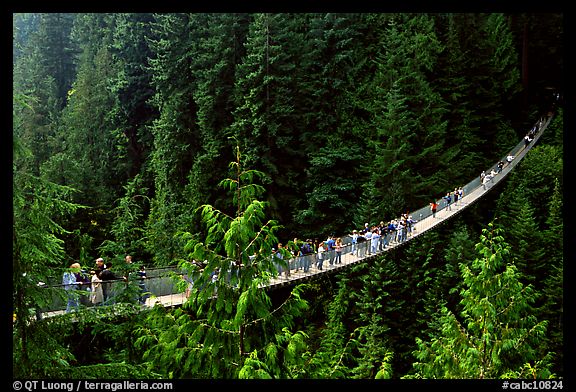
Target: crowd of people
x,y
94,288
377,237
321,254
303,254
488,178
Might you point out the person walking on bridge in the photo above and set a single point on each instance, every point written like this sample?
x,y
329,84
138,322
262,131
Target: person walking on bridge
x,y
70,283
354,236
307,254
433,208
321,250
107,277
375,240
456,196
96,295
448,199
330,248
338,248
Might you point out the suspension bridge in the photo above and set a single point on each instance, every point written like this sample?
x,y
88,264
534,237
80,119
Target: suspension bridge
x,y
161,284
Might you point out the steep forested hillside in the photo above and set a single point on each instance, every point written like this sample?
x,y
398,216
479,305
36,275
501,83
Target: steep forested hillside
x,y
185,136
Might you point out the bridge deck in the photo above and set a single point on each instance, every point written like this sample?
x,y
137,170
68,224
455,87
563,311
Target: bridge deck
x,y
471,195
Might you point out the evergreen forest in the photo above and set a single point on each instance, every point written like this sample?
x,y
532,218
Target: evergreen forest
x,y
203,140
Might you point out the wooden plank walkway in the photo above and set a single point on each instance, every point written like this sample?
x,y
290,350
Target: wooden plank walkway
x,y
422,226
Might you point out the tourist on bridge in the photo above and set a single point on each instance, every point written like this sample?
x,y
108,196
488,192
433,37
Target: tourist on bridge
x,y
307,254
382,228
279,261
294,248
410,225
366,229
338,248
392,229
96,295
354,236
509,159
321,250
330,248
362,246
434,208
456,196
107,276
375,240
401,230
368,237
448,200
100,265
487,179
142,289
71,284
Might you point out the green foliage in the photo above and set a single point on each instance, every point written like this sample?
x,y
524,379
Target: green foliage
x,y
83,345
407,154
330,144
37,247
285,357
532,209
345,118
228,316
128,227
357,340
496,332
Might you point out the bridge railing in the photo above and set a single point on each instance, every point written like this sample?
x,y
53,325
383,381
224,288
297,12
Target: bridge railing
x,y
161,281
518,152
158,282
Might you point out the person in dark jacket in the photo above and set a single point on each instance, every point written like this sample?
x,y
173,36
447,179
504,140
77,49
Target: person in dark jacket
x,y
107,276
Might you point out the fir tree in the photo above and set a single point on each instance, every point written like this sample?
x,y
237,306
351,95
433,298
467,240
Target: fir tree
x,y
219,50
175,134
37,251
495,333
229,318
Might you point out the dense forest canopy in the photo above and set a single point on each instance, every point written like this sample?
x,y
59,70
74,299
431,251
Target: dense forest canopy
x,y
126,125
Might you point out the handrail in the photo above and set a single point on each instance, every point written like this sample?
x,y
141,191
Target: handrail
x,y
163,290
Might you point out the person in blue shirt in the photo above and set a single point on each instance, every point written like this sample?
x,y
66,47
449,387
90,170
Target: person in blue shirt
x,y
448,199
71,286
330,248
375,239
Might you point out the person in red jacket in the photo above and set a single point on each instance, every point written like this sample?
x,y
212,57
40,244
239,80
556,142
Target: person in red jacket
x,y
433,207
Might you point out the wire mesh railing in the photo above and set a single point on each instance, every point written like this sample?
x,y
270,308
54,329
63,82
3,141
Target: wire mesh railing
x,y
160,284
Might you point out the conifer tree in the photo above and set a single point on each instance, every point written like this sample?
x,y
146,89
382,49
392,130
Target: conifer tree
x,y
268,93
329,136
229,318
219,49
32,77
37,252
553,278
175,134
133,90
526,238
455,86
406,150
23,27
59,51
496,332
